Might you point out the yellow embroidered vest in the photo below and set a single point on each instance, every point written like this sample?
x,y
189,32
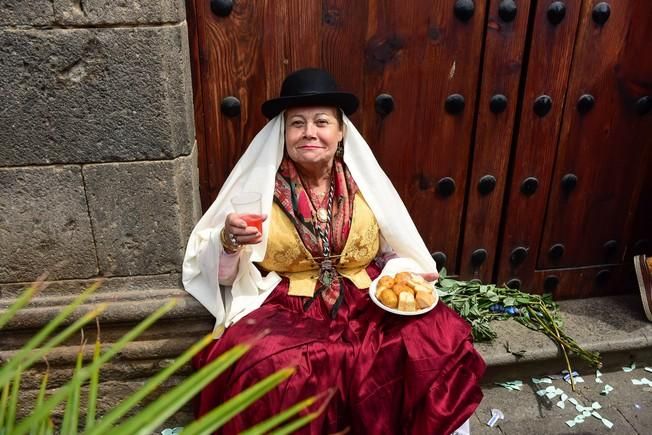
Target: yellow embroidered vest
x,y
287,255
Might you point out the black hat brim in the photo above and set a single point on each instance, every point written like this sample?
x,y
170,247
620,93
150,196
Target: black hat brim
x,y
344,100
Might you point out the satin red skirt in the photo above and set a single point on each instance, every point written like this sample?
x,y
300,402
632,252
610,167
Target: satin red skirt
x,y
392,374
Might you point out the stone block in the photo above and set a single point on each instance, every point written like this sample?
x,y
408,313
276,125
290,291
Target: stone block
x,y
44,221
89,12
23,13
94,12
94,95
142,214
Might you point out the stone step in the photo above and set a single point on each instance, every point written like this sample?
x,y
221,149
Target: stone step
x,y
614,326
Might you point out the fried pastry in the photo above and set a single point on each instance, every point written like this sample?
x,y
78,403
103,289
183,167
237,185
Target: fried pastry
x,y
386,281
420,288
380,288
402,288
424,299
402,277
388,298
406,302
405,291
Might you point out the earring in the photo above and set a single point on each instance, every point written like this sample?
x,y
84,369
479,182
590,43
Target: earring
x,y
339,152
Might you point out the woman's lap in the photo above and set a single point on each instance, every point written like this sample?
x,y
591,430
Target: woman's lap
x,y
390,373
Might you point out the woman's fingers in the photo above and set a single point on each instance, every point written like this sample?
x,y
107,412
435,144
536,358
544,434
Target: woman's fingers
x,y
244,235
430,276
247,235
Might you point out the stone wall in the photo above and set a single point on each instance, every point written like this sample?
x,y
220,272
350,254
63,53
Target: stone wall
x,y
98,170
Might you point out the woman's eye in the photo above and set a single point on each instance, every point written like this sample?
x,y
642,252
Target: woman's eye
x,y
297,123
322,122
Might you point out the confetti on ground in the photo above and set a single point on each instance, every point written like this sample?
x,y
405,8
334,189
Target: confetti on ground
x,y
581,408
576,377
606,390
562,403
173,431
648,369
587,411
511,385
604,420
550,392
542,380
630,368
578,419
597,377
642,381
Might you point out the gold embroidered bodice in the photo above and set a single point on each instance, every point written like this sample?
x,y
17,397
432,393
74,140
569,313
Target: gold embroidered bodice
x,y
287,255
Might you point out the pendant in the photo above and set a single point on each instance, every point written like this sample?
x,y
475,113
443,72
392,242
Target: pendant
x,y
322,215
326,273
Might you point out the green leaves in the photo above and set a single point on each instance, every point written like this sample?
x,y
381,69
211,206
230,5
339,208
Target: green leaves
x,y
146,420
481,303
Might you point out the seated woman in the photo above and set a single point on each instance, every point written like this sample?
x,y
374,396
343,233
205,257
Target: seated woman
x,y
333,218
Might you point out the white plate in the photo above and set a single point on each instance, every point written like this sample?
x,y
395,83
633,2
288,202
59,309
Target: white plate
x,y
393,267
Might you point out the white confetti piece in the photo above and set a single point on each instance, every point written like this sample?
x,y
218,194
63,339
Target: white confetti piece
x,y
607,423
571,423
630,368
604,421
648,369
577,379
542,381
511,385
642,381
607,389
561,404
598,373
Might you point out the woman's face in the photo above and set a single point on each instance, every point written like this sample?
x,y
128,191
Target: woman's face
x,y
312,134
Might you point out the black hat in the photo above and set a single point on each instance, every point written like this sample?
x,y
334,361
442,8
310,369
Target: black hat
x,y
308,87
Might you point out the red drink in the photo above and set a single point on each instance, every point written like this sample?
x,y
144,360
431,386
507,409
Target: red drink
x,y
253,220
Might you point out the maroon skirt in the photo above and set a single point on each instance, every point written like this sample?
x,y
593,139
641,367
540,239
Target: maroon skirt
x,y
392,374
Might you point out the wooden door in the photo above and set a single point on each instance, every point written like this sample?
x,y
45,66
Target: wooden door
x,y
413,65
579,164
516,132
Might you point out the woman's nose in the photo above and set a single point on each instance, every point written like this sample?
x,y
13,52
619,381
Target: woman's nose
x,y
310,130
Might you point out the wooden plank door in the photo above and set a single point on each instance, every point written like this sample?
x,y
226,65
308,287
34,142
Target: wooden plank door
x,y
587,156
502,69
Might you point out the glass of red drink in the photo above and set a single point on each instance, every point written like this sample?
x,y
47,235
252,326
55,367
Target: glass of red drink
x,y
248,206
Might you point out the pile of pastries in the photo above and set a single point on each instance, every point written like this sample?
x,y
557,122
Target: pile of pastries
x,y
405,291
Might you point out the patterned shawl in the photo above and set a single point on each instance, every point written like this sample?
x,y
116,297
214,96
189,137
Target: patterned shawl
x,y
291,196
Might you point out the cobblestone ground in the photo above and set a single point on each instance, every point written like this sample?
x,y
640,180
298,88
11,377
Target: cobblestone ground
x,y
627,406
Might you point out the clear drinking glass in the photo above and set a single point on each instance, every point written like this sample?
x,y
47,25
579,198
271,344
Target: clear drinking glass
x,y
248,206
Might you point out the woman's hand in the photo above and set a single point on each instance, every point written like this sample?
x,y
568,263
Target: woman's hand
x,y
244,235
429,276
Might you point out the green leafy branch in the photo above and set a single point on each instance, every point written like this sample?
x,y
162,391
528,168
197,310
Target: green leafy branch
x,y
479,304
